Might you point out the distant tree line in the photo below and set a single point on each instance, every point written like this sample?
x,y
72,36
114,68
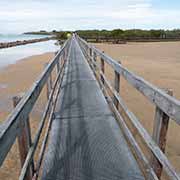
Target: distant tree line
x,y
62,35
131,34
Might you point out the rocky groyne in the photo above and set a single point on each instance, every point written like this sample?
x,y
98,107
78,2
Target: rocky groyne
x,y
24,42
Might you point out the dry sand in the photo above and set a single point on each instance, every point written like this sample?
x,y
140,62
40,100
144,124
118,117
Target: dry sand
x,y
158,63
14,80
18,78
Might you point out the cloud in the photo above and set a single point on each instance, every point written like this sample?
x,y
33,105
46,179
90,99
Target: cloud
x,y
30,15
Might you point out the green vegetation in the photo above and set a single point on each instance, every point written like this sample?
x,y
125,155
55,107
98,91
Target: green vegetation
x,y
131,34
42,32
62,35
126,34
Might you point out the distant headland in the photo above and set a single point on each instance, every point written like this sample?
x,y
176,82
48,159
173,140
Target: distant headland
x,y
24,42
42,32
118,35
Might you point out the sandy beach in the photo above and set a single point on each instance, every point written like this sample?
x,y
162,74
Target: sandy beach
x,y
16,79
158,63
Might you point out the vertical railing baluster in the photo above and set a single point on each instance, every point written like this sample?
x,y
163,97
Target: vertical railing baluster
x,y
90,52
58,64
160,135
64,56
24,140
116,86
91,55
102,69
95,60
92,60
49,86
49,83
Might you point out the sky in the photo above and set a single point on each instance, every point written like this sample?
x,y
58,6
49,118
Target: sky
x,y
17,16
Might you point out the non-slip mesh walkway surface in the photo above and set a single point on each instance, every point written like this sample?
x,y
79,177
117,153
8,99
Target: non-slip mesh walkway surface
x,y
85,141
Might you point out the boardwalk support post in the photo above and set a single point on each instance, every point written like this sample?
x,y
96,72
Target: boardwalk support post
x,y
90,52
95,60
102,69
91,55
49,83
160,135
58,64
24,140
116,86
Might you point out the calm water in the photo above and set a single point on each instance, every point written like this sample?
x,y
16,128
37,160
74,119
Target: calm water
x,y
20,37
12,55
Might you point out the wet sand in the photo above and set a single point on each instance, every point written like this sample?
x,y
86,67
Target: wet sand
x,y
18,78
158,63
14,80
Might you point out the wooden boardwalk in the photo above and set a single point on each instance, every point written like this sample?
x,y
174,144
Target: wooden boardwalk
x,y
86,131
85,140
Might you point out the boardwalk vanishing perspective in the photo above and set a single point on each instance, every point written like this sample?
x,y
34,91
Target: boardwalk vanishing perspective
x,y
86,131
85,140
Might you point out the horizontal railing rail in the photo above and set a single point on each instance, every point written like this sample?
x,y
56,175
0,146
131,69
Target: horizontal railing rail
x,y
168,104
15,123
167,107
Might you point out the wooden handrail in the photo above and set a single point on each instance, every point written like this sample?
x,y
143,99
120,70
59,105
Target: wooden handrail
x,y
165,102
11,128
155,95
167,105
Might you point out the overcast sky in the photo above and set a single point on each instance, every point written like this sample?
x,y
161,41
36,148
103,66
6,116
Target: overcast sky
x,y
18,16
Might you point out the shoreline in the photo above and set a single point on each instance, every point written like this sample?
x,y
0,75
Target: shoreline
x,y
157,63
16,78
23,59
24,42
12,55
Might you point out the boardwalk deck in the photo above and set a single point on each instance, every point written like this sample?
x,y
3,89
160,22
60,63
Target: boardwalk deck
x,y
85,141
88,140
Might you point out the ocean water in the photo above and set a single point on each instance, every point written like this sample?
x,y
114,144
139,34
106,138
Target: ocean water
x,y
20,37
13,54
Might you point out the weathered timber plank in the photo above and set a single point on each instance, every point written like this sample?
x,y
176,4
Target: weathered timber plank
x,y
102,69
10,128
166,103
50,106
144,134
160,135
23,139
39,131
89,126
148,171
116,86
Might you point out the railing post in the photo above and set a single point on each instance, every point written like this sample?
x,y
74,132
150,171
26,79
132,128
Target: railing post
x,y
102,69
24,140
95,60
64,55
58,64
160,135
91,55
90,52
49,83
116,86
